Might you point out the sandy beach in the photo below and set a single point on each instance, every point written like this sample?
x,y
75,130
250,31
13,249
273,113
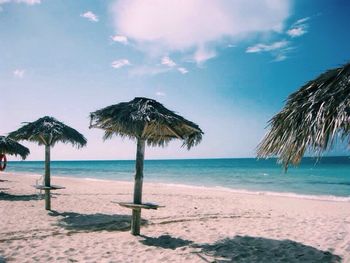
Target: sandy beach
x,y
196,225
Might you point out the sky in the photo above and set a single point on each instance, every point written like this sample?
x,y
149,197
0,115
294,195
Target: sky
x,y
227,65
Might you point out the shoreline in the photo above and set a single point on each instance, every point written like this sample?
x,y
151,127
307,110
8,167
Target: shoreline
x,y
331,198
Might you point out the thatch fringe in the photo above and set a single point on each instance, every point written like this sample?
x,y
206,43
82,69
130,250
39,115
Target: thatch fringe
x,y
313,117
146,119
9,146
48,131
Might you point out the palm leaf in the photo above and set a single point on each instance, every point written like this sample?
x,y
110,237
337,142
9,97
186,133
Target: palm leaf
x,y
313,117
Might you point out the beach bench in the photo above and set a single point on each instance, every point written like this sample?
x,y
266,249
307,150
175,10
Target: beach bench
x,y
52,187
41,187
139,206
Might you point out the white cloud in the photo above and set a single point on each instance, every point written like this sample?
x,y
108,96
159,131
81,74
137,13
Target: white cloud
x,y
120,63
277,49
296,31
28,2
202,55
160,94
280,57
267,47
302,20
90,16
167,61
18,73
187,26
120,39
182,70
299,28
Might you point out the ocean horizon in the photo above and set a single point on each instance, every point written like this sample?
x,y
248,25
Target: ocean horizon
x,y
328,176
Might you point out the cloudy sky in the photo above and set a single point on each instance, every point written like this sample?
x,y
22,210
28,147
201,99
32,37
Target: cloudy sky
x,y
227,65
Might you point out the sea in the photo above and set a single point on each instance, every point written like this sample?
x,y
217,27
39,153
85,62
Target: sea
x,y
325,178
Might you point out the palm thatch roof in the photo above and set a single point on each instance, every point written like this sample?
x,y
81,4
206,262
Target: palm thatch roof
x,y
313,117
147,119
48,131
9,146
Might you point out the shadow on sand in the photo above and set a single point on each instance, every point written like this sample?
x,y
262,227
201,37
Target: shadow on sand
x,y
9,197
165,241
258,249
94,222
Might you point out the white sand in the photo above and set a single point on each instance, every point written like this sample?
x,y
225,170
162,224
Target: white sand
x,y
197,225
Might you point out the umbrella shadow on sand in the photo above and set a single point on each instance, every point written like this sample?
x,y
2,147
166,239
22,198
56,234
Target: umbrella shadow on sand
x,y
258,249
10,197
94,222
165,241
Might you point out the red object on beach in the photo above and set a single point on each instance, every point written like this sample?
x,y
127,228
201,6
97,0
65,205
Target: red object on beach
x,y
3,162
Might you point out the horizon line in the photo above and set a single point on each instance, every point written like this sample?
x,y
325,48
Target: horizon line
x,y
181,159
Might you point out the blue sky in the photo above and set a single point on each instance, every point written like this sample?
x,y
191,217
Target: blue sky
x,y
226,65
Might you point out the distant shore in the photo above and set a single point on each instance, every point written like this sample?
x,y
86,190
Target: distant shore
x,y
197,224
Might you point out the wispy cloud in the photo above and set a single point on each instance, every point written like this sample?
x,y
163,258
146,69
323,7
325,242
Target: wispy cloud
x,y
90,16
120,39
267,47
182,70
299,28
296,31
231,45
278,50
280,57
28,2
120,63
19,73
199,28
203,54
167,61
160,94
302,20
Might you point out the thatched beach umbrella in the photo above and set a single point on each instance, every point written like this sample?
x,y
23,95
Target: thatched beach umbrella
x,y
313,117
9,146
48,131
147,121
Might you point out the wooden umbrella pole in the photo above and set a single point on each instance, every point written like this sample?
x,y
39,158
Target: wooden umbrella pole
x,y
136,213
47,178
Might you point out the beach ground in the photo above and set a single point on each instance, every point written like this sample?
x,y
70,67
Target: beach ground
x,y
196,225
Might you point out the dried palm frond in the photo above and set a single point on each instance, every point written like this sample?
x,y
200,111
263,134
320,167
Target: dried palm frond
x,y
145,119
9,146
48,131
313,117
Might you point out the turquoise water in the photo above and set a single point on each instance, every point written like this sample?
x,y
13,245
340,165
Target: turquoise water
x,y
329,176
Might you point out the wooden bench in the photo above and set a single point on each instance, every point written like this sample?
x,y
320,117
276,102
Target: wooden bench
x,y
52,187
139,206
